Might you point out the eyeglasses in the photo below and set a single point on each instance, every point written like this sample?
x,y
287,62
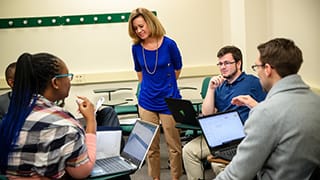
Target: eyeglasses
x,y
254,67
226,63
70,76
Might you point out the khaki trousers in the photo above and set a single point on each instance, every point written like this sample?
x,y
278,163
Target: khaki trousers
x,y
172,137
193,152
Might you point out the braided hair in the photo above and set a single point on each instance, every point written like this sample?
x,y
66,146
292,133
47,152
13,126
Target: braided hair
x,y
33,75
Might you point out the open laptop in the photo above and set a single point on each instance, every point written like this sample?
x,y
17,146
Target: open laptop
x,y
133,154
223,132
108,141
182,111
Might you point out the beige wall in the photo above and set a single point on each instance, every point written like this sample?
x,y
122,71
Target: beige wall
x,y
266,19
299,20
259,21
107,47
256,28
99,52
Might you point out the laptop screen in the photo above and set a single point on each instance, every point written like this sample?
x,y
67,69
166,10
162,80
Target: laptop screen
x,y
222,128
183,111
108,142
139,141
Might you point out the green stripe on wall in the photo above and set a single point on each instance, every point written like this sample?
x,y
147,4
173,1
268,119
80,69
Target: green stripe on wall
x,y
25,22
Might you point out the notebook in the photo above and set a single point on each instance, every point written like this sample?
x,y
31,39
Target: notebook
x,y
133,154
182,111
223,132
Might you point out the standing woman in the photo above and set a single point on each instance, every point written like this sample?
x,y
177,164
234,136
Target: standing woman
x,y
158,63
38,139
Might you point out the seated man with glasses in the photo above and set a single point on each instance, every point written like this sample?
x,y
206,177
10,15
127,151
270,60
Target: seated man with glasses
x,y
282,132
255,66
222,88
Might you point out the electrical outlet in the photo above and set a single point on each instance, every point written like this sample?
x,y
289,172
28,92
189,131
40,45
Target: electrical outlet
x,y
3,83
79,79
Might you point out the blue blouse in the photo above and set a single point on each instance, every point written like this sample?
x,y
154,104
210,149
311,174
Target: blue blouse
x,y
162,83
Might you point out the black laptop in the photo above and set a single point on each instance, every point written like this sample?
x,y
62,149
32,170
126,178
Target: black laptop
x,y
223,132
182,111
133,154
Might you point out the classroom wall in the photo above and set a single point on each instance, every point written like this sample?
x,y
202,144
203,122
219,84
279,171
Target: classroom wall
x,y
107,47
100,55
299,20
251,22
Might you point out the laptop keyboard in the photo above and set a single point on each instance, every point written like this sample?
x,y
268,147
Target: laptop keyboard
x,y
227,153
114,165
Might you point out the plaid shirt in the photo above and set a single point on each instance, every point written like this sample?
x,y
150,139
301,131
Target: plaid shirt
x,y
49,140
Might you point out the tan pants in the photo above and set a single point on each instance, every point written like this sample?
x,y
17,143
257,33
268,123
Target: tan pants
x,y
193,152
172,137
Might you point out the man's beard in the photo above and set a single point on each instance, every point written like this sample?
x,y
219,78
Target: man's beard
x,y
231,75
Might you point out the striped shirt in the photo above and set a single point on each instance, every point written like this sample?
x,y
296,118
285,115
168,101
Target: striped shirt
x,y
49,141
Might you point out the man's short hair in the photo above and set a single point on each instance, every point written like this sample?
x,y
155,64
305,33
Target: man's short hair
x,y
235,51
10,71
282,55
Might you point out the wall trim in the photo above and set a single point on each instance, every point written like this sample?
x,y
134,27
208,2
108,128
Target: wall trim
x,y
124,76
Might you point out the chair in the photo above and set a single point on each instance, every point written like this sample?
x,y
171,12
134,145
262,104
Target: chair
x,y
204,87
128,109
190,134
203,92
183,88
109,91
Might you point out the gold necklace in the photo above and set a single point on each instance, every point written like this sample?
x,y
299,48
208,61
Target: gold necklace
x,y
145,62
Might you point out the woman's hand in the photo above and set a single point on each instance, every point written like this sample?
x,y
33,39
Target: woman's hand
x,y
86,108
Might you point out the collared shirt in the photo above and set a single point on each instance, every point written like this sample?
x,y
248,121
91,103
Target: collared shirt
x,y
245,84
49,140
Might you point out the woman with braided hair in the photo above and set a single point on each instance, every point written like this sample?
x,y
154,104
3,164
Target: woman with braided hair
x,y
38,139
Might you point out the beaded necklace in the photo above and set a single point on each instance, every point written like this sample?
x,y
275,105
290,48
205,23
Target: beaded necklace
x,y
145,62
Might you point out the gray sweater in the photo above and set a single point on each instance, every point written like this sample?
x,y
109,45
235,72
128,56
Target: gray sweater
x,y
282,135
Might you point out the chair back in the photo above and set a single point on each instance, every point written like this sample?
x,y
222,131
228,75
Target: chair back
x,y
204,86
138,90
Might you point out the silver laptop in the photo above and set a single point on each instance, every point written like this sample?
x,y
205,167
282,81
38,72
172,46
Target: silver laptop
x,y
133,154
223,132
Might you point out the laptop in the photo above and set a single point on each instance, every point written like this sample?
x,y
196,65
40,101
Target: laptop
x,y
223,132
133,154
108,141
182,111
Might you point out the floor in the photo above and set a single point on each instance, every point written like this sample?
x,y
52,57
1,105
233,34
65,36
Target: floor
x,y
165,171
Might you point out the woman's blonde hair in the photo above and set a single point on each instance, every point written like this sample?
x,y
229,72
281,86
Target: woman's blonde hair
x,y
153,23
